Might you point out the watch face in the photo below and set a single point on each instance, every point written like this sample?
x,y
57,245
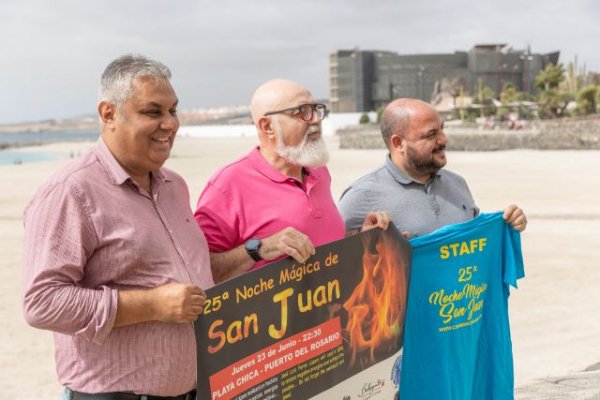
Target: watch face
x,y
253,244
252,247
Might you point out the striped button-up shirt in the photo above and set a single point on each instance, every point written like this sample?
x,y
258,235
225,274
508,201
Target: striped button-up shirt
x,y
91,231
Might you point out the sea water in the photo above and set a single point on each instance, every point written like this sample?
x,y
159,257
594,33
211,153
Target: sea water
x,y
36,138
10,141
19,157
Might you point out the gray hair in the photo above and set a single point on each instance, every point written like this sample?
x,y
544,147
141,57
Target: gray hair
x,y
394,120
117,79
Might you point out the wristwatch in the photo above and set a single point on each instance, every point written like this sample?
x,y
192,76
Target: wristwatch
x,y
252,246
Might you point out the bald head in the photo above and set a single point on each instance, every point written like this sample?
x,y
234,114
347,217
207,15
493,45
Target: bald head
x,y
396,116
275,95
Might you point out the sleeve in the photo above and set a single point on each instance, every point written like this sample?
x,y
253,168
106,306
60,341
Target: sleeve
x,y
59,239
354,205
218,219
513,256
476,210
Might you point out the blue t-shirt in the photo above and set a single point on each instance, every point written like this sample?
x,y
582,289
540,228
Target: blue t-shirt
x,y
457,340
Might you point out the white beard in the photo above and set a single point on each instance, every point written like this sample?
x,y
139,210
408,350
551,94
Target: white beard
x,y
310,153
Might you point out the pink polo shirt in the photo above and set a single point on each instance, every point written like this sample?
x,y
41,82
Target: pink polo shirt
x,y
250,198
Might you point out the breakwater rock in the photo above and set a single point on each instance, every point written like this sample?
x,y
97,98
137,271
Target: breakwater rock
x,y
582,133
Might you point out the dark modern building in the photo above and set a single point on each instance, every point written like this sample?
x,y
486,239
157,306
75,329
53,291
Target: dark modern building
x,y
364,80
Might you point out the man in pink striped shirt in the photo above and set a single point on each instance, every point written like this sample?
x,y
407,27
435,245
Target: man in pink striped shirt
x,y
115,264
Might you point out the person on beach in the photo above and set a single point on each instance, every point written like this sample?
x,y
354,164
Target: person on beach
x,y
276,201
419,195
114,263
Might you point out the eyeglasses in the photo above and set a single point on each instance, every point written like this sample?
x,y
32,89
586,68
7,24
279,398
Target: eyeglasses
x,y
305,112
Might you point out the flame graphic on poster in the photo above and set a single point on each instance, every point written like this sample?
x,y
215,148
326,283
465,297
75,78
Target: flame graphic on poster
x,y
376,307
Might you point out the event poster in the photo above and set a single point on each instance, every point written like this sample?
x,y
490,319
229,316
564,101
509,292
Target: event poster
x,y
329,328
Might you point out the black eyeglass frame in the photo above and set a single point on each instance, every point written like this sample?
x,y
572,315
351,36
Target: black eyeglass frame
x,y
313,110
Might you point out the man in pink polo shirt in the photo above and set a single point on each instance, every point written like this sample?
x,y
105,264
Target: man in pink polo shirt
x,y
275,201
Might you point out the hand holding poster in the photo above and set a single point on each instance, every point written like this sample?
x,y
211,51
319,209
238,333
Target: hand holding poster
x,y
290,331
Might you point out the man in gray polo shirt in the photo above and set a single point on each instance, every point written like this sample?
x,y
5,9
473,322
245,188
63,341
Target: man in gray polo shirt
x,y
412,185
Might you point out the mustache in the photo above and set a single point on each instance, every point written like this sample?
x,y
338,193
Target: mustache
x,y
441,147
313,129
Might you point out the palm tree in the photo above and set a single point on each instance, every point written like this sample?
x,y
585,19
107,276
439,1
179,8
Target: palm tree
x,y
550,77
586,99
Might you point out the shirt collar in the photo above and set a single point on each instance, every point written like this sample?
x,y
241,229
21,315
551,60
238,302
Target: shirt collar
x,y
115,171
266,169
398,174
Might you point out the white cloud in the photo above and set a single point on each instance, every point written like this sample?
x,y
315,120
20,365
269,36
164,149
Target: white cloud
x,y
53,52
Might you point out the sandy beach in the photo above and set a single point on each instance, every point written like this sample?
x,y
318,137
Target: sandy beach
x,y
554,314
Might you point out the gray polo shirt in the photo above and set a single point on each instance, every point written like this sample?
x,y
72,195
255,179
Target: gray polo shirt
x,y
414,207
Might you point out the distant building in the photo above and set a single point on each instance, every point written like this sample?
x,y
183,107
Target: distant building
x,y
363,80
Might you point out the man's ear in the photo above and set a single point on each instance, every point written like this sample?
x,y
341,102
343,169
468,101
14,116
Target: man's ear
x,y
396,142
265,126
107,113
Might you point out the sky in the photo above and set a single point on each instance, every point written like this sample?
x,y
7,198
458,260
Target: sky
x,y
52,52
